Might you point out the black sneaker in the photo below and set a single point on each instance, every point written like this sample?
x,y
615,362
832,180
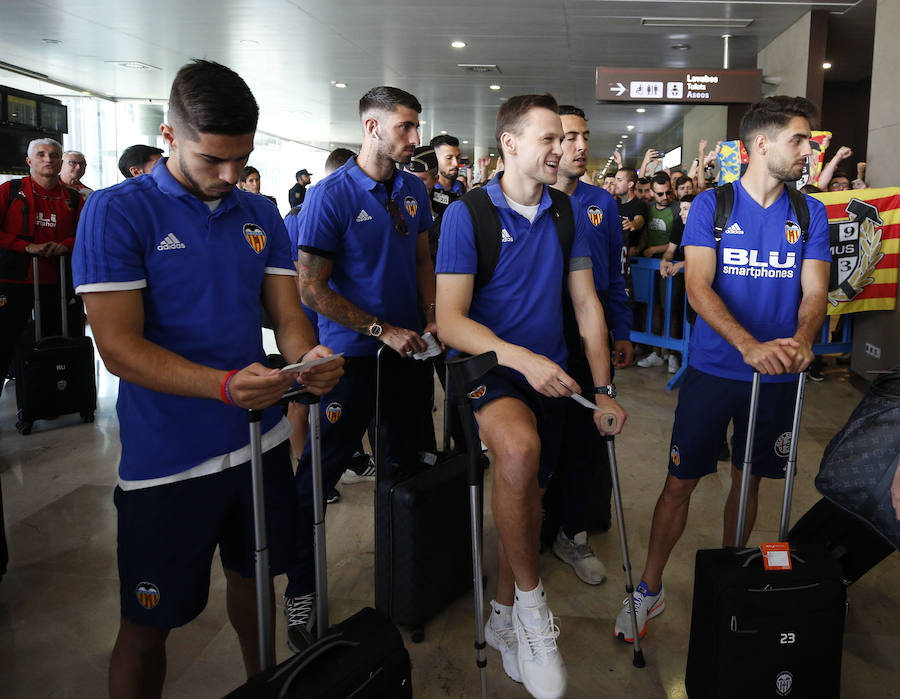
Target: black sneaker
x,y
360,470
724,452
814,373
332,497
300,613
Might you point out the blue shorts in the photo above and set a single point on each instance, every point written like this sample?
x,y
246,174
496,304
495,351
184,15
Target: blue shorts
x,y
502,382
706,404
168,534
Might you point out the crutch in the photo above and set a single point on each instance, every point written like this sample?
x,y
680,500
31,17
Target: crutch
x,y
315,442
638,660
462,372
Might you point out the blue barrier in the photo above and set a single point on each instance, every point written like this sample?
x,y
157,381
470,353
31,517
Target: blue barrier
x,y
645,277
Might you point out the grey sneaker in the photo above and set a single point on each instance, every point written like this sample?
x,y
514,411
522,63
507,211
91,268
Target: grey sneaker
x,y
300,613
577,553
503,638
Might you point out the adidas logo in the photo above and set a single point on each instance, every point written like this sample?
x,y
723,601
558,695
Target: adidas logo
x,y
505,237
363,216
734,229
170,242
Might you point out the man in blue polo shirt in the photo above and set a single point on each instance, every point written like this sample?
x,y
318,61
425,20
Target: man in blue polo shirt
x,y
760,294
520,404
583,465
364,266
171,267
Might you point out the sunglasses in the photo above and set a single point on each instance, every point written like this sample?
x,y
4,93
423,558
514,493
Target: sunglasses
x,y
399,222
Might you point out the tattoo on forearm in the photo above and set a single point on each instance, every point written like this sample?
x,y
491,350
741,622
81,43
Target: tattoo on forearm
x,y
314,274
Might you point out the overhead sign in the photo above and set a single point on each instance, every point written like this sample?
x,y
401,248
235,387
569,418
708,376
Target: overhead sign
x,y
678,85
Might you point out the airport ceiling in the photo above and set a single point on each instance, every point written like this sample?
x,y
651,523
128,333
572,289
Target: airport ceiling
x,y
295,53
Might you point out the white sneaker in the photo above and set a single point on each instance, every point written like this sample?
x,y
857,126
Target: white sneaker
x,y
577,553
540,664
646,607
502,638
651,360
674,364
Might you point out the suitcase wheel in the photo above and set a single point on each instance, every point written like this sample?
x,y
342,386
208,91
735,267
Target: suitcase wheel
x,y
417,634
87,416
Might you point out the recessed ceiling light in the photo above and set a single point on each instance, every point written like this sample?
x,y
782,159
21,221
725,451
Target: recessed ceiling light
x,y
52,41
495,87
640,110
630,127
133,65
443,132
340,85
826,65
681,47
458,44
249,42
422,123
624,135
465,143
491,154
618,145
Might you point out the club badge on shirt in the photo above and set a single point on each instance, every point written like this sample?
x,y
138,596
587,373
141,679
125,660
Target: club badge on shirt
x,y
595,213
412,206
792,232
255,237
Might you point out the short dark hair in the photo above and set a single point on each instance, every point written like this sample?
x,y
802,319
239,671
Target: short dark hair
x,y
207,97
337,158
387,99
444,140
661,178
630,173
841,173
136,156
569,110
247,171
684,179
511,113
810,189
774,112
643,180
687,198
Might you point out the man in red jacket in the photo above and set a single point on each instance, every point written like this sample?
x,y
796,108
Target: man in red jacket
x,y
38,216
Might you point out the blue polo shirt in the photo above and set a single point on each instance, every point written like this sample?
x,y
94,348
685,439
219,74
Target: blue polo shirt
x,y
607,255
200,274
345,219
757,274
522,302
457,187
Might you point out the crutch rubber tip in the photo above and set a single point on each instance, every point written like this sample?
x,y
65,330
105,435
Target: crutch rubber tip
x,y
481,663
480,645
639,659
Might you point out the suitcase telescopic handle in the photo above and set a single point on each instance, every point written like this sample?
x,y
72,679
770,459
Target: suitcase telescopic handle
x,y
62,297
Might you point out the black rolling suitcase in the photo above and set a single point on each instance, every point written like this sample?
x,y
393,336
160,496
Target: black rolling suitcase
x,y
758,633
362,657
54,375
422,531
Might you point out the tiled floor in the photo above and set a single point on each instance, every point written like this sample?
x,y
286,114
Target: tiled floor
x,y
59,600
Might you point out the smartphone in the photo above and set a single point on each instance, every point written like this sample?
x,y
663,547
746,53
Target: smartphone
x,y
660,154
464,161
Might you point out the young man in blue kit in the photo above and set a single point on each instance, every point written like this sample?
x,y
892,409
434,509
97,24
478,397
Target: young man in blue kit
x,y
520,405
760,295
582,452
171,267
366,270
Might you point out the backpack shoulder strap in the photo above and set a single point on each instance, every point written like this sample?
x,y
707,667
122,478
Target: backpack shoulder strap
x,y
724,205
74,197
15,192
486,227
801,209
564,220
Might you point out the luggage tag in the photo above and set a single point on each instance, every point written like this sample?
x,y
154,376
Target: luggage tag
x,y
776,556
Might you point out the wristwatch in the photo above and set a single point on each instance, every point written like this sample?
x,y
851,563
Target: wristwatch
x,y
609,390
376,328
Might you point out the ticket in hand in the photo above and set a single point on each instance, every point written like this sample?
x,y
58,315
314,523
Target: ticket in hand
x,y
303,366
433,349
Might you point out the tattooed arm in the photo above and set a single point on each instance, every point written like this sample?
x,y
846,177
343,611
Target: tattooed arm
x,y
315,271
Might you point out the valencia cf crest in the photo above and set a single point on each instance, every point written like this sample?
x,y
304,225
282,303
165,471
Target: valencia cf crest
x,y
675,455
2,300
333,412
412,206
255,236
595,213
783,444
147,595
478,392
792,232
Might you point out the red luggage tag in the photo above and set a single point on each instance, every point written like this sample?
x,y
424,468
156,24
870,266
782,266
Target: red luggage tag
x,y
776,556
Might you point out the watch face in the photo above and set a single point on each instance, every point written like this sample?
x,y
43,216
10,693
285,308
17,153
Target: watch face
x,y
375,330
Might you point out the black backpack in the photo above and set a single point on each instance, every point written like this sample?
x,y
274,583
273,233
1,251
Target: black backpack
x,y
724,206
488,229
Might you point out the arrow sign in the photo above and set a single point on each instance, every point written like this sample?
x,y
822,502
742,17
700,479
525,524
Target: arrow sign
x,y
618,88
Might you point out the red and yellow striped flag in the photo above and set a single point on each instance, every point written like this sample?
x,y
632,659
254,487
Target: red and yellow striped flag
x,y
864,226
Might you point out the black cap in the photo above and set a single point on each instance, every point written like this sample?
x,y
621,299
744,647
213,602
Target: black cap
x,y
424,159
302,172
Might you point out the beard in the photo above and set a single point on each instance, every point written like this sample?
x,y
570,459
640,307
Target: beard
x,y
786,170
450,174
